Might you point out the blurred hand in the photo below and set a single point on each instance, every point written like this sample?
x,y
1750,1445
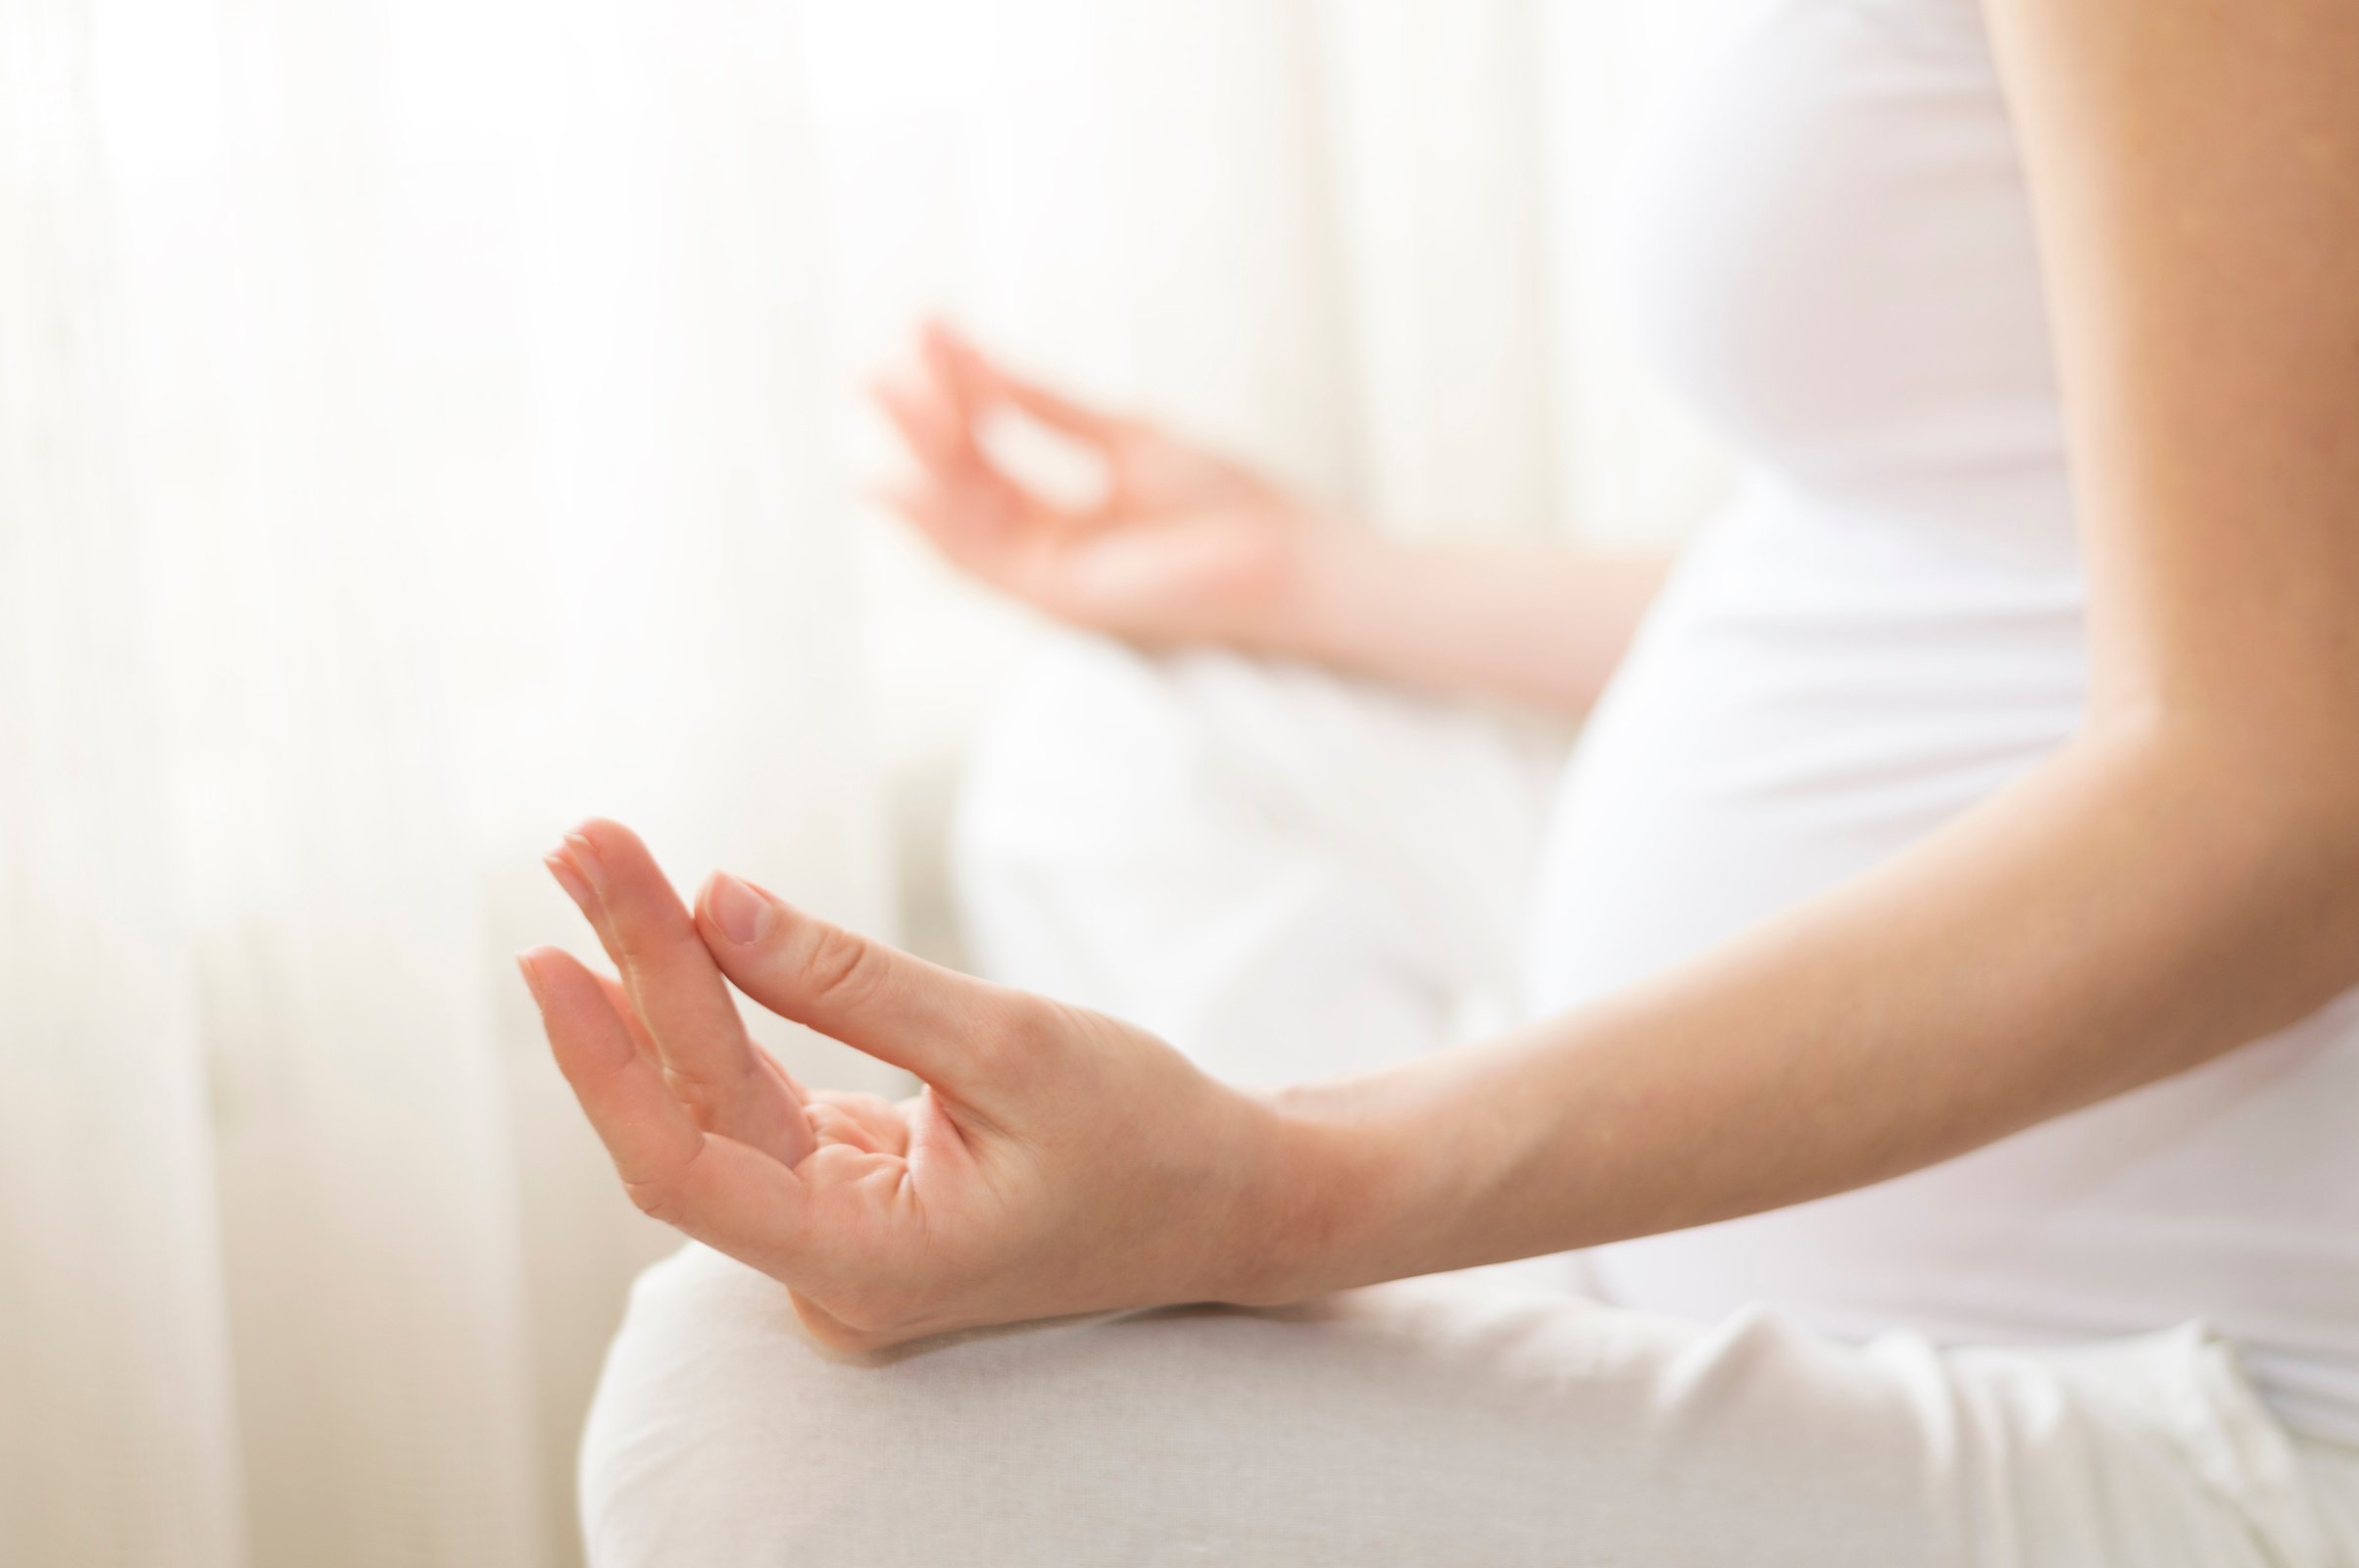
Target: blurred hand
x,y
1181,547
1055,1162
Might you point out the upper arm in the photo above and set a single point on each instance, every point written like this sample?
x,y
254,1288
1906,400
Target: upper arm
x,y
2194,172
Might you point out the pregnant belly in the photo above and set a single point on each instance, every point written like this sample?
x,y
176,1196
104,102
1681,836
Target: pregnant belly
x,y
1812,694
1810,700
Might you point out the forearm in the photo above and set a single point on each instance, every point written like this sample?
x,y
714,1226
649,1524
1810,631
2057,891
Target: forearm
x,y
1544,625
2119,916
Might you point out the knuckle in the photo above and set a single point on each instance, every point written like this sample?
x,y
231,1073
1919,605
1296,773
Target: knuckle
x,y
659,1200
1010,1026
643,944
832,1124
705,1088
628,943
843,967
667,1197
645,936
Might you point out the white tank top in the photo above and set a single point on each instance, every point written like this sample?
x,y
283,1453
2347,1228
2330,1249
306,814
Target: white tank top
x,y
1833,255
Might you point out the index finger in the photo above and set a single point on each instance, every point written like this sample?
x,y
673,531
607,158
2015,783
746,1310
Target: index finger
x,y
976,377
711,1188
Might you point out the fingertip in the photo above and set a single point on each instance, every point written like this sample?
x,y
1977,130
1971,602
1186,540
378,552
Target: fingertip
x,y
579,849
532,984
632,888
743,913
539,961
576,1012
894,495
549,974
746,926
940,334
941,347
561,983
604,837
569,878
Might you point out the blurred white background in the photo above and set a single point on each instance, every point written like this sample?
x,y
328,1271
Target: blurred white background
x,y
423,422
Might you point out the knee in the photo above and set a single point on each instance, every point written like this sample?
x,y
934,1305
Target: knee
x,y
710,1438
720,1434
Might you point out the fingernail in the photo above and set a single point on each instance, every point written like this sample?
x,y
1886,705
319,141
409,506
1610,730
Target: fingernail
x,y
570,879
741,913
532,981
584,856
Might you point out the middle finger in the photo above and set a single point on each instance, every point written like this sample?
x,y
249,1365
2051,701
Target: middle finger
x,y
709,1063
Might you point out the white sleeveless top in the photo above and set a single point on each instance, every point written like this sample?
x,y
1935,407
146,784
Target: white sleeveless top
x,y
1834,257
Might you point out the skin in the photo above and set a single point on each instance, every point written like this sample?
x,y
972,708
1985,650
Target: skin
x,y
2178,880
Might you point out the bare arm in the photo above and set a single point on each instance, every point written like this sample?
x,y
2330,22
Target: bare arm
x,y
2181,879
1544,625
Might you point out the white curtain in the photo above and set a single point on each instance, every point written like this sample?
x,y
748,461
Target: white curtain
x,y
425,422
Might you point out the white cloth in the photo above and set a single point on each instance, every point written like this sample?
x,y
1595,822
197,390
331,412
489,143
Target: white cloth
x,y
1836,254
1474,1419
1430,1422
1286,874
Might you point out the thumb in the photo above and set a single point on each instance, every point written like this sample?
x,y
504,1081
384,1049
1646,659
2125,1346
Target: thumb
x,y
980,377
952,1029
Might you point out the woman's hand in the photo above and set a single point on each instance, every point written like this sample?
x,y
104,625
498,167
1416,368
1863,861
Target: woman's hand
x,y
1180,546
1183,547
1055,1162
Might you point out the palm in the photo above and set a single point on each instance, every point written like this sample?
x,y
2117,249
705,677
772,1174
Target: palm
x,y
1179,546
887,1182
898,1193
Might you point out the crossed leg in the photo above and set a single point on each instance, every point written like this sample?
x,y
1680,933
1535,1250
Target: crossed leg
x,y
1425,1422
1285,873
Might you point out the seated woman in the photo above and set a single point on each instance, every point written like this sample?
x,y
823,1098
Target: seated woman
x,y
1933,1025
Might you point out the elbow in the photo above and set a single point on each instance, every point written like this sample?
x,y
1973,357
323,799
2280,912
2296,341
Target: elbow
x,y
2304,803
2274,834
2279,791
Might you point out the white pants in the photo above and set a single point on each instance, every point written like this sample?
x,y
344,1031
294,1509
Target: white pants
x,y
1290,875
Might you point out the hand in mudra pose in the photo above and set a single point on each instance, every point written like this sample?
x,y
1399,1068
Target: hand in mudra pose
x,y
1053,1162
1182,547
1179,546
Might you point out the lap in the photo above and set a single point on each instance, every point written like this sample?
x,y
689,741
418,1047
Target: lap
x,y
1291,875
1285,872
1437,1421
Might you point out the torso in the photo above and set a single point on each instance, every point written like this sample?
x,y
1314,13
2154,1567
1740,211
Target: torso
x,y
1885,627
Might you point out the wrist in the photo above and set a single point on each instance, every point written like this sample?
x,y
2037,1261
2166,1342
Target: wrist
x,y
1344,1194
1330,593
